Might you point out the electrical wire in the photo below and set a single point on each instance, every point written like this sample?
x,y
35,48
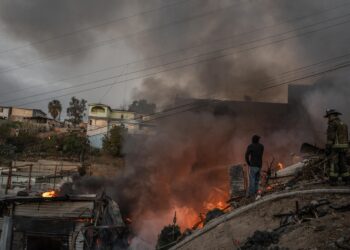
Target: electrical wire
x,y
74,32
194,63
181,50
76,51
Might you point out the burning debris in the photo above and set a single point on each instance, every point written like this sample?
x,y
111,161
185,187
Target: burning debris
x,y
49,194
69,222
277,179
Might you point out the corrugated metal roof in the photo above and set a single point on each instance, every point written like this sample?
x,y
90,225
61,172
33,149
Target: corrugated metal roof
x,y
62,209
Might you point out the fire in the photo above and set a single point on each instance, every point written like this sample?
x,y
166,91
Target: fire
x,y
128,221
49,194
216,199
192,217
280,166
186,217
212,205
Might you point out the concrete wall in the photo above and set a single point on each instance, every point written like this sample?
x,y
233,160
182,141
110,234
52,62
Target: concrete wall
x,y
19,112
95,123
120,114
96,141
101,111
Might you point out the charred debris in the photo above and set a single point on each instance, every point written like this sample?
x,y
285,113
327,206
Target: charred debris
x,y
311,173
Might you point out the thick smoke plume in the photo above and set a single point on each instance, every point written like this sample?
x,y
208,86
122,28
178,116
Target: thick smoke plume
x,y
184,166
40,20
246,71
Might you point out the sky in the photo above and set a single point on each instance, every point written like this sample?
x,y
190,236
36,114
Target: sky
x,y
114,51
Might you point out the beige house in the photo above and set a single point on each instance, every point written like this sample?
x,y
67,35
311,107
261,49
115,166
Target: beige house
x,y
32,119
22,114
101,118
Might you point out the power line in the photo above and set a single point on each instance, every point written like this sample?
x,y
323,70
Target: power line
x,y
217,101
70,33
167,114
190,64
341,66
181,50
112,40
110,88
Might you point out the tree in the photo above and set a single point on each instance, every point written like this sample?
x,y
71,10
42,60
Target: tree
x,y
25,141
5,132
76,110
75,145
142,107
113,142
55,109
167,236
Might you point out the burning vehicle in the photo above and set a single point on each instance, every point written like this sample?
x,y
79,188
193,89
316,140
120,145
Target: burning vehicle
x,y
68,222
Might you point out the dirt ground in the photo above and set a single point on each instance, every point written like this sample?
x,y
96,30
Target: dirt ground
x,y
329,232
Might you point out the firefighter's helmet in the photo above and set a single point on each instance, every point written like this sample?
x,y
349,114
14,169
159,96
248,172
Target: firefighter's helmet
x,y
332,112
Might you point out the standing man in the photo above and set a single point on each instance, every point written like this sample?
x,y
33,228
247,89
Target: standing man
x,y
336,147
253,157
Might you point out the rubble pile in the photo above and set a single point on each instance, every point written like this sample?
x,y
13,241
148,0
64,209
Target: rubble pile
x,y
262,240
314,210
212,214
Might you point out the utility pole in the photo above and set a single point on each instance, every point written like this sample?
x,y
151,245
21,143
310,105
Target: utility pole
x,y
54,178
9,177
30,177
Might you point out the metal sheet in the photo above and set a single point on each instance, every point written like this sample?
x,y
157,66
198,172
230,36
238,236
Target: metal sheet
x,y
61,209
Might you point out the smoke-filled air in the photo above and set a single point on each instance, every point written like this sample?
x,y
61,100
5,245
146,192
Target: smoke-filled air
x,y
226,52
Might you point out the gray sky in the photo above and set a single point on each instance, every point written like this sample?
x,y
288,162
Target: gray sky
x,y
44,42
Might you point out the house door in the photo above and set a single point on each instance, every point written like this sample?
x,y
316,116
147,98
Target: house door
x,y
44,242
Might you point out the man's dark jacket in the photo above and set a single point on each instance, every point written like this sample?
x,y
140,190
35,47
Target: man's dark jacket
x,y
254,154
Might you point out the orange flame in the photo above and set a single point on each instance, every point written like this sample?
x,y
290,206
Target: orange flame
x,y
280,166
212,205
189,217
49,194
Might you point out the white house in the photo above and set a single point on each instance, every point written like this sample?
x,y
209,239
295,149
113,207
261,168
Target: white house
x,y
5,113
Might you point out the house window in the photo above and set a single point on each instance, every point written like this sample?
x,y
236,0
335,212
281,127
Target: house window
x,y
90,122
1,110
97,110
122,116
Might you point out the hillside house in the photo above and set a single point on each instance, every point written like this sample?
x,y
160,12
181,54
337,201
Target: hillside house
x,y
101,118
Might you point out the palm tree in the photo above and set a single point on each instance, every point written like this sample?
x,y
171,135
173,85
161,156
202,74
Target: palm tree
x,y
55,109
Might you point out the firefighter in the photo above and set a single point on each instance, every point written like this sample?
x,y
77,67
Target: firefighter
x,y
337,147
